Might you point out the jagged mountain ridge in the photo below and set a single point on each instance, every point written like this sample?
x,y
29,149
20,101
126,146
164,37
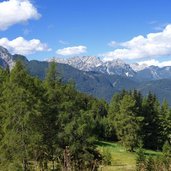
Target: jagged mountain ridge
x,y
93,63
118,67
98,84
153,73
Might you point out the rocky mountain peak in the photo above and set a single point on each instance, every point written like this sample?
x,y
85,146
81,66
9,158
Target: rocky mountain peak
x,y
86,63
138,67
93,63
6,59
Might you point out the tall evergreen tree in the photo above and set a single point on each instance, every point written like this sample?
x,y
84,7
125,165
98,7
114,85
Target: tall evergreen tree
x,y
151,124
137,96
127,123
19,112
165,123
112,114
50,112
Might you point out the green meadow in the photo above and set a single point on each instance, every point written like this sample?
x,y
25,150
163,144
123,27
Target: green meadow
x,y
121,160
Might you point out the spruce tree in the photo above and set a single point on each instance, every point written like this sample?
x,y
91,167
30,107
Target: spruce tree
x,y
127,123
111,119
20,113
151,124
50,112
165,123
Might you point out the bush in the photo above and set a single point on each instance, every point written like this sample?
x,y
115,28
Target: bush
x,y
107,157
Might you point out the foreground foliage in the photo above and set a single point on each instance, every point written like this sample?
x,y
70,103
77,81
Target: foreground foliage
x,y
154,163
45,124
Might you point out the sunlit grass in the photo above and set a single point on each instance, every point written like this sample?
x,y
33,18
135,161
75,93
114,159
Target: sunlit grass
x,y
122,160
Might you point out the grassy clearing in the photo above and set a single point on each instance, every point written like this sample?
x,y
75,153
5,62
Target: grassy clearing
x,y
122,160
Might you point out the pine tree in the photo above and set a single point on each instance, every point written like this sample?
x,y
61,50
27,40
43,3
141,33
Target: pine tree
x,y
165,123
151,124
99,110
137,96
4,76
50,112
19,112
127,124
110,121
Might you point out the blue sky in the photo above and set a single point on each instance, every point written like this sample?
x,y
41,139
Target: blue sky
x,y
106,28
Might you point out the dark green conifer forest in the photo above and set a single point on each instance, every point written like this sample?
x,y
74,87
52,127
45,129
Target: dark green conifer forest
x,y
46,125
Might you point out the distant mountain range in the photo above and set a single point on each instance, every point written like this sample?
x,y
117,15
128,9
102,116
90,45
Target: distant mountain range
x,y
93,63
101,79
118,67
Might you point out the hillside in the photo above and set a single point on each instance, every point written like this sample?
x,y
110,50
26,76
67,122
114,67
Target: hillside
x,y
99,84
96,83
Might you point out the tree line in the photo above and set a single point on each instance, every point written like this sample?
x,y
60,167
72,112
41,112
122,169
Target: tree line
x,y
140,120
48,125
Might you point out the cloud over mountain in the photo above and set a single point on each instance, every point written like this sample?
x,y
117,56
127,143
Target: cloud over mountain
x,y
23,46
16,11
155,63
150,46
75,50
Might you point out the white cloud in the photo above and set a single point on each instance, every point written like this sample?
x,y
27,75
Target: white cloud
x,y
153,45
155,63
22,46
16,11
75,50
